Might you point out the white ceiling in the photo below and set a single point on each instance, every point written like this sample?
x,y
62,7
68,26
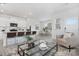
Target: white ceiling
x,y
36,10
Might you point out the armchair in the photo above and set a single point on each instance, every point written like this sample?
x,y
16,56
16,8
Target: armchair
x,y
65,41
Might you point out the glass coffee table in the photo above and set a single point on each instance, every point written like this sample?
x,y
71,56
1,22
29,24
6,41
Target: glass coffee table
x,y
35,51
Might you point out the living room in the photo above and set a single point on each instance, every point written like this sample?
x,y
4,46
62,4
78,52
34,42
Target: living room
x,y
39,29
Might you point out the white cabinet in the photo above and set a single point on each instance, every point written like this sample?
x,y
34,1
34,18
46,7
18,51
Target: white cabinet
x,y
11,41
20,39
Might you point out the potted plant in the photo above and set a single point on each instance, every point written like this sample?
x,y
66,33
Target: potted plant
x,y
30,44
29,38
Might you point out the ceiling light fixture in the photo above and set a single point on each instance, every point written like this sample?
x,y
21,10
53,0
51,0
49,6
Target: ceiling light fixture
x,y
30,13
1,4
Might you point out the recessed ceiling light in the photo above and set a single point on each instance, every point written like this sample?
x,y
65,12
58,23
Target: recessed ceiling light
x,y
66,4
30,13
1,4
24,16
1,10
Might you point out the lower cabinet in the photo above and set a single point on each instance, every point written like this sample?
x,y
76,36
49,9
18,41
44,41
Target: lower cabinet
x,y
12,41
20,39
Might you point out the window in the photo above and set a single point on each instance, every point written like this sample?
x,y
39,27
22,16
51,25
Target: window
x,y
71,21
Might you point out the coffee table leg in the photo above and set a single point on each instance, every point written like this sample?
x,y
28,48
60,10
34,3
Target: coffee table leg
x,y
56,47
23,53
69,48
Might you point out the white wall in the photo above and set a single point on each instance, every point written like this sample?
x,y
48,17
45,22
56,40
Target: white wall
x,y
53,32
5,21
64,15
23,23
33,23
